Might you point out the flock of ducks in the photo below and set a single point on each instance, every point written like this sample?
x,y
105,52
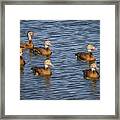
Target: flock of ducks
x,y
91,73
44,51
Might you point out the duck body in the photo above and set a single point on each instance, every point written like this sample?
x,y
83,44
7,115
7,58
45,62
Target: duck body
x,y
28,45
42,71
85,56
91,75
22,62
43,51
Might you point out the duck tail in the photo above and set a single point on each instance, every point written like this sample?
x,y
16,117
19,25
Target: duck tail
x,y
34,69
76,54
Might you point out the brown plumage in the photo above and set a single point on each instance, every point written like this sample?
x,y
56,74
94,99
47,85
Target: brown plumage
x,y
22,62
87,57
29,44
22,45
43,51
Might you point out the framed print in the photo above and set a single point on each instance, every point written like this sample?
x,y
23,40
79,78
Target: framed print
x,y
59,59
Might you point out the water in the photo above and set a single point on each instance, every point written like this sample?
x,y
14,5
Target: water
x,y
67,81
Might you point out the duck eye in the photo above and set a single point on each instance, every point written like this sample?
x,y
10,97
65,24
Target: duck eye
x,y
47,61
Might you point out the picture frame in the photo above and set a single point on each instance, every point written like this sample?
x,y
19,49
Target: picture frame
x,y
2,61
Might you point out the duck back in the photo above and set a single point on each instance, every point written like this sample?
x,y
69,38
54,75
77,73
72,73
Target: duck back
x,y
29,45
88,57
43,51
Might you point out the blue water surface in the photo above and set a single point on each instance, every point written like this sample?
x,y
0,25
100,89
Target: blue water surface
x,y
67,81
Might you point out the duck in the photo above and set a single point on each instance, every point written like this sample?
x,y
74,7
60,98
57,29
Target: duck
x,y
46,51
29,44
43,71
92,73
86,56
22,61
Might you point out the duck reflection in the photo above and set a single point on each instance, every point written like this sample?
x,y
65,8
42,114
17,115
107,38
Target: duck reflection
x,y
93,85
47,80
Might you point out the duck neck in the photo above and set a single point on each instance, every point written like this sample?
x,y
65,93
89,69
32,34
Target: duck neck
x,y
29,37
30,41
21,54
46,46
21,57
93,69
90,54
89,50
46,66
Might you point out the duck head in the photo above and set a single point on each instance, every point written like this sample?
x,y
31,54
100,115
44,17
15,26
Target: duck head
x,y
90,47
30,34
93,66
47,43
47,63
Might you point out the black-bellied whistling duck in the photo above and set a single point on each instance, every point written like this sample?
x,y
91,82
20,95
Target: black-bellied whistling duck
x,y
86,56
29,44
43,71
22,62
92,73
46,51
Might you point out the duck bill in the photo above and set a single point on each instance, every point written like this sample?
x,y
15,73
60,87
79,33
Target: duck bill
x,y
51,65
50,44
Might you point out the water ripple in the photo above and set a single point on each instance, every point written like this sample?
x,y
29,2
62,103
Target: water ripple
x,y
67,81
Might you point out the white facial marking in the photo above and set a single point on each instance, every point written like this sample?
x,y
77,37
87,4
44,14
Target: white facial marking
x,y
46,46
30,35
89,50
93,66
46,66
47,42
93,69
